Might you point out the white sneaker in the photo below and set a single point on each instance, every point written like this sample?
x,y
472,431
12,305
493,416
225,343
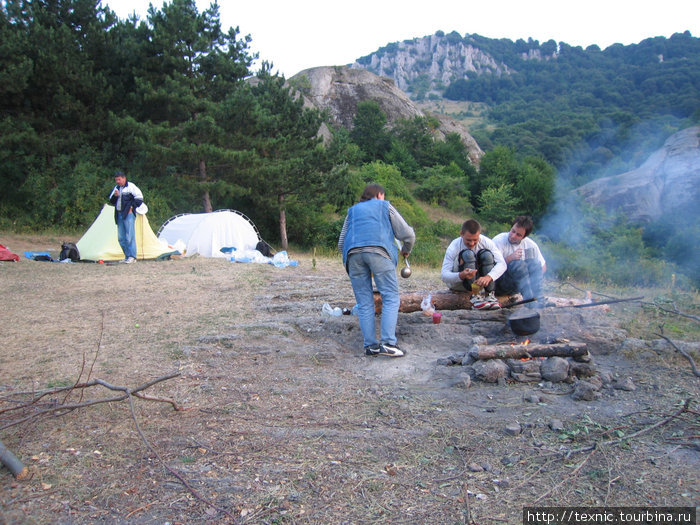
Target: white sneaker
x,y
479,302
493,302
130,260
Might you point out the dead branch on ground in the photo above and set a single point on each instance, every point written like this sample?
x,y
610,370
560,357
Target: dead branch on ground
x,y
14,465
59,409
680,351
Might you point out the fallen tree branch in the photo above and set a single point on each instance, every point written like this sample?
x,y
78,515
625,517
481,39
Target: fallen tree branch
x,y
675,311
60,409
14,465
682,352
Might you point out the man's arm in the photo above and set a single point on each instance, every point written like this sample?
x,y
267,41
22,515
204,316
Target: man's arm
x,y
402,231
449,277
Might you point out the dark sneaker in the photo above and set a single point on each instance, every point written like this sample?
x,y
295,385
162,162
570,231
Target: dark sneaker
x,y
384,349
372,350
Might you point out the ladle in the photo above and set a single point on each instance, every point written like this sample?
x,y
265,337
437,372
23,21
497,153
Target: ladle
x,y
406,270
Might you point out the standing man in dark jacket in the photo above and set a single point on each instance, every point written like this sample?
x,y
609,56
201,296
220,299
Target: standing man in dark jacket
x,y
126,197
369,250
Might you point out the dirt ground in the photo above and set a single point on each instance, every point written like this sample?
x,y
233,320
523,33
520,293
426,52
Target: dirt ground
x,y
286,421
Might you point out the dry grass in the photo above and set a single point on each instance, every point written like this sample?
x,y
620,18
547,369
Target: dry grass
x,y
287,422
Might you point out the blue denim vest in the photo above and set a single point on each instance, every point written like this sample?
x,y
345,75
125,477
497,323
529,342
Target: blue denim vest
x,y
369,225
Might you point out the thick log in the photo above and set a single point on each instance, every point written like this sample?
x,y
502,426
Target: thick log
x,y
521,351
441,300
14,465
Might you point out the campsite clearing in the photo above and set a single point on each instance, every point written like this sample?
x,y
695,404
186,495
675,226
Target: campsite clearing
x,y
287,421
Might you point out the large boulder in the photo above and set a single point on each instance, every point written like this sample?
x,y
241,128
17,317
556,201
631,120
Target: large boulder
x,y
338,89
669,180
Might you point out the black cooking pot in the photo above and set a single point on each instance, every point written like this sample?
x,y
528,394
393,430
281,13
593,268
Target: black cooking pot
x,y
524,323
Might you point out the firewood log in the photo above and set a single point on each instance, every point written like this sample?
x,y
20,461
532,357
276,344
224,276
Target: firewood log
x,y
441,300
521,351
14,465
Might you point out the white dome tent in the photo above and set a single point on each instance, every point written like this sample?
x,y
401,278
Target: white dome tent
x,y
206,233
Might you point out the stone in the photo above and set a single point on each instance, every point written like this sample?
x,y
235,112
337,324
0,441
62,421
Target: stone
x,y
463,380
513,429
556,425
554,369
625,384
475,467
490,371
585,391
582,369
667,181
532,398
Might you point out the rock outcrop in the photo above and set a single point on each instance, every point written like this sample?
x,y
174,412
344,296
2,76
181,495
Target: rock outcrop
x,y
668,181
439,57
338,89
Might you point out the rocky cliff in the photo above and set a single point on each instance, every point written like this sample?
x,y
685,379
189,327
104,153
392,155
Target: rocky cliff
x,y
668,181
437,57
339,89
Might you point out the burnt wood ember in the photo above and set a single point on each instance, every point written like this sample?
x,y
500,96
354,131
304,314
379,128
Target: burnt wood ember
x,y
522,351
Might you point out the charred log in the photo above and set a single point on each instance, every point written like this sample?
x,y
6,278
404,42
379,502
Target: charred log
x,y
571,349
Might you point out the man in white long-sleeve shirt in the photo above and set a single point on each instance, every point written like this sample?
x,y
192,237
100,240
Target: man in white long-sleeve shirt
x,y
473,258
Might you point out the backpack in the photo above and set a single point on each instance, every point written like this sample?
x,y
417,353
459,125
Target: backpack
x,y
264,248
69,251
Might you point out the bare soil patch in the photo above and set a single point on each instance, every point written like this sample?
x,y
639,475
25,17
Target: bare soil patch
x,y
288,422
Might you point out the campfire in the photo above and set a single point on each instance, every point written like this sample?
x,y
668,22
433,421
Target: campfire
x,y
555,361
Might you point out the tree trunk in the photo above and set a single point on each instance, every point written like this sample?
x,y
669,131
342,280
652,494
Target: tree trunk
x,y
14,465
283,222
441,300
520,351
206,200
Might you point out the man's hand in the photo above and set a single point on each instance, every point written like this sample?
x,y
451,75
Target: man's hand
x,y
467,274
483,281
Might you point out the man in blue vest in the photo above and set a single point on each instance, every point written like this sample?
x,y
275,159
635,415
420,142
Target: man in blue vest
x,y
369,250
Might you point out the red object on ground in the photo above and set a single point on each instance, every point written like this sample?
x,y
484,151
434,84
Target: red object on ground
x,y
7,255
437,317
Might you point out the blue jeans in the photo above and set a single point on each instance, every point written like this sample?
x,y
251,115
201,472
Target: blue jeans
x,y
361,268
524,277
127,235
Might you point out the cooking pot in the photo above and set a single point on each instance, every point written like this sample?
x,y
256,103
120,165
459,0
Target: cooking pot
x,y
524,323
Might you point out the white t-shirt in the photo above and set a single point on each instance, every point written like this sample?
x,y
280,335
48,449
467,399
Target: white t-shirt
x,y
507,249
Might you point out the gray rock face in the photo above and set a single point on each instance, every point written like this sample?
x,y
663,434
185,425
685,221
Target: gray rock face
x,y
669,180
437,57
339,89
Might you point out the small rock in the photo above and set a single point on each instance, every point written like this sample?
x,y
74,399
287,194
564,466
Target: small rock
x,y
463,380
626,385
444,361
556,425
585,391
491,370
513,429
532,398
554,369
475,467
468,359
510,460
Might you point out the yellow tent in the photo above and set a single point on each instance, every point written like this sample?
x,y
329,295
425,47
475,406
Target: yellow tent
x,y
100,241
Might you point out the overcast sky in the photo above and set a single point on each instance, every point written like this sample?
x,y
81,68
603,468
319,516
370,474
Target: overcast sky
x,y
299,34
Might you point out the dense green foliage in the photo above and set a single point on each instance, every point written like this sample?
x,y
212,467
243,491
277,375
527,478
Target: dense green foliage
x,y
588,112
